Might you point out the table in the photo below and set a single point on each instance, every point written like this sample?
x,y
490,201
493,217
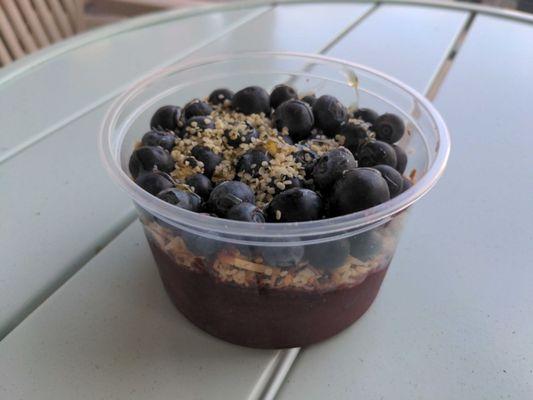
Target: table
x,y
82,311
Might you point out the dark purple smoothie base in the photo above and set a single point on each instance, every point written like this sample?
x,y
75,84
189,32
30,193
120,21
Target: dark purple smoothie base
x,y
263,317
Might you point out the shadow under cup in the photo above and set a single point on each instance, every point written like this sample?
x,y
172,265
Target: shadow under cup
x,y
274,285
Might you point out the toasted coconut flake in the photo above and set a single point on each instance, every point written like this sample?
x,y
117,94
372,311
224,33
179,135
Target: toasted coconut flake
x,y
246,264
412,176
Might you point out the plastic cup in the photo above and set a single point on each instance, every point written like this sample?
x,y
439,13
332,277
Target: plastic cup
x,y
285,284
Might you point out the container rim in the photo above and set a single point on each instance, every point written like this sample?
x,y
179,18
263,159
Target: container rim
x,y
110,155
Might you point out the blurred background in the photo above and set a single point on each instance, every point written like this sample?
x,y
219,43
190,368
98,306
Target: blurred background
x,y
28,25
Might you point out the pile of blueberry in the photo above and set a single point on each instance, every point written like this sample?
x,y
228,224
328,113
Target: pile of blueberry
x,y
364,170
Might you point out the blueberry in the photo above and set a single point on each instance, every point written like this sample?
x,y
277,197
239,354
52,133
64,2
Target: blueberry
x,y
243,133
252,100
166,118
330,114
146,158
228,194
328,255
366,245
246,212
401,158
394,179
207,157
296,116
331,166
199,123
309,184
375,153
201,184
201,246
218,96
280,94
354,136
186,200
196,108
389,128
295,205
157,138
191,162
282,256
358,190
366,114
307,157
407,184
154,182
251,161
310,99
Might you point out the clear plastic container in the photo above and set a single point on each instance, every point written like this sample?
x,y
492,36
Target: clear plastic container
x,y
285,284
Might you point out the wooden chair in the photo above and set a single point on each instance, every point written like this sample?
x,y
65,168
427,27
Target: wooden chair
x,y
130,8
27,25
102,12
